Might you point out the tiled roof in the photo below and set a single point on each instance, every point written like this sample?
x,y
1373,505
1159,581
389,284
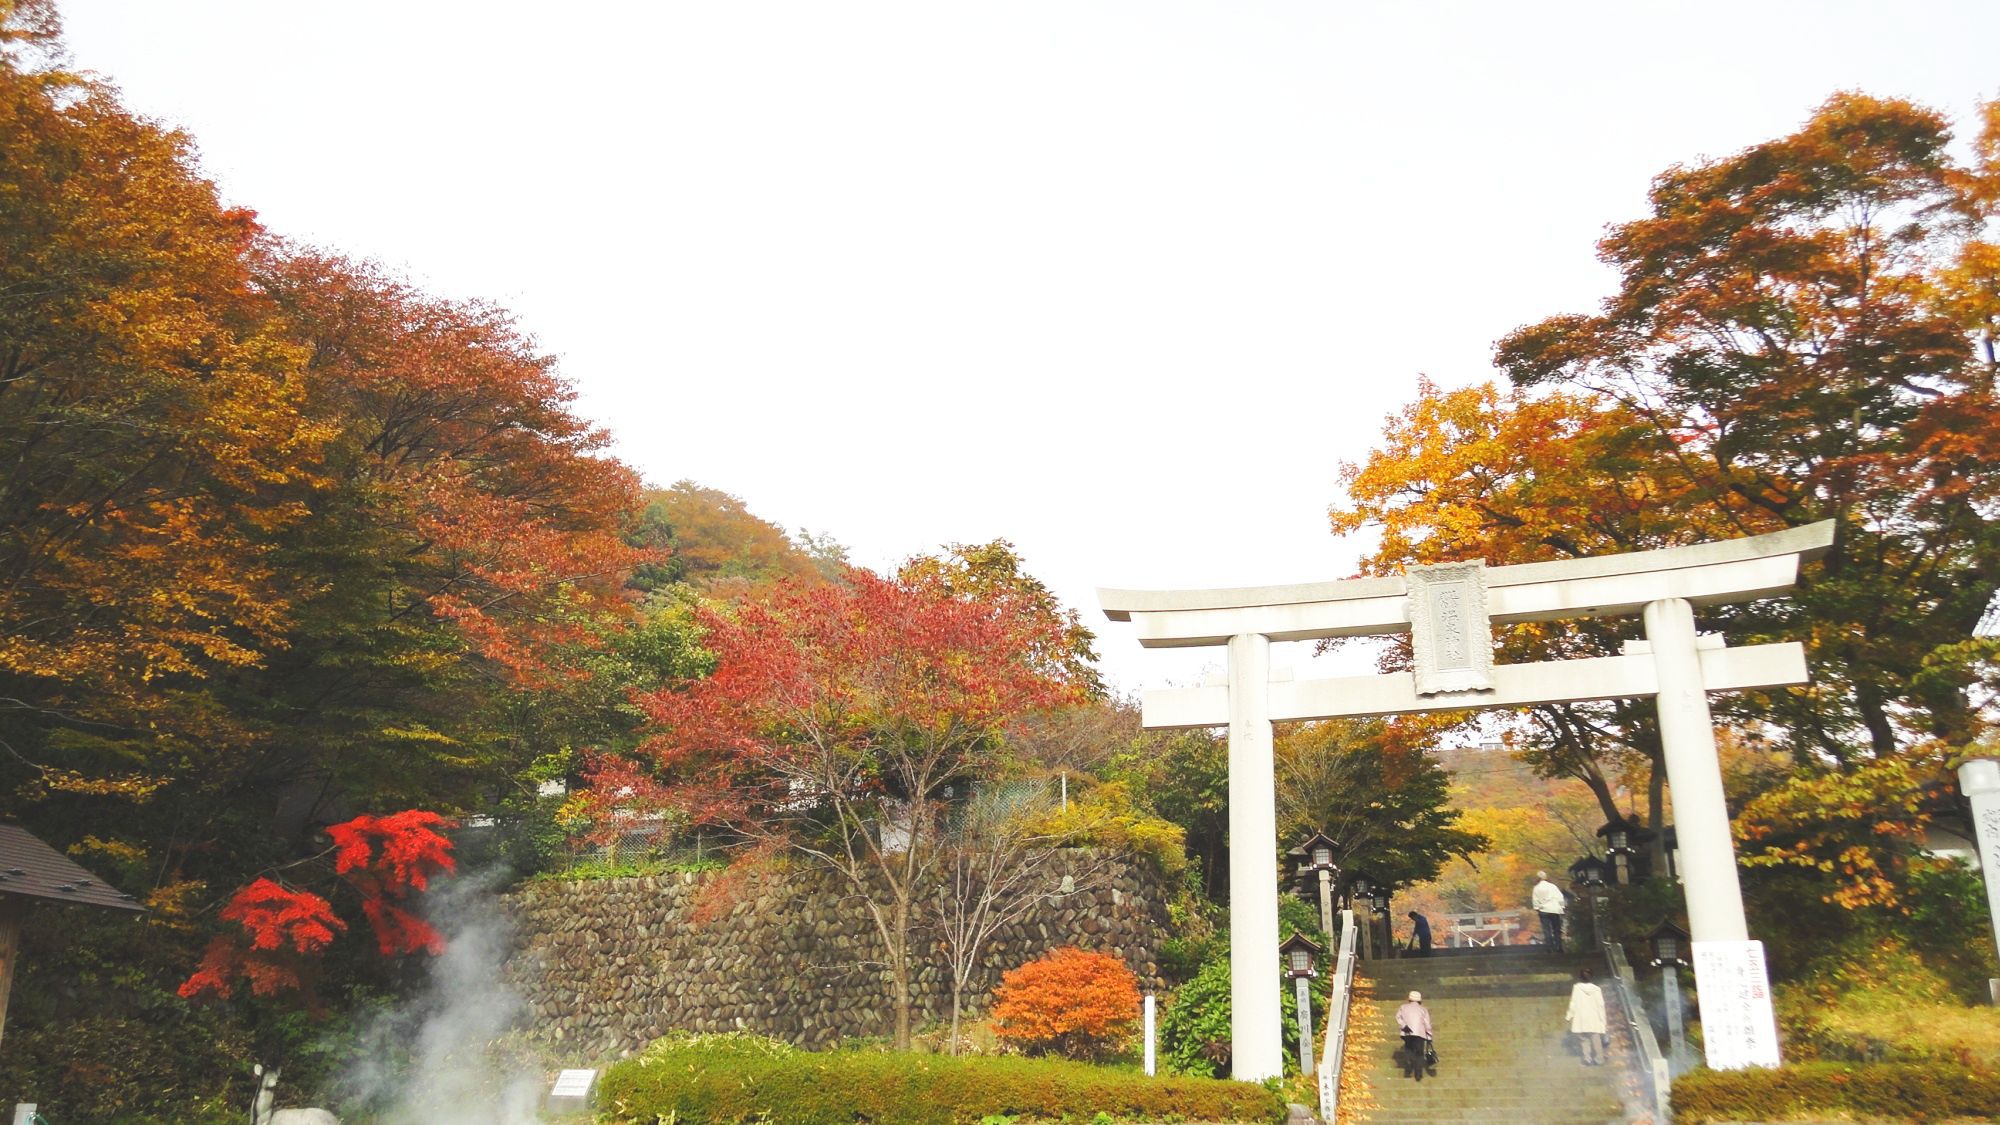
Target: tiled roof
x,y
31,868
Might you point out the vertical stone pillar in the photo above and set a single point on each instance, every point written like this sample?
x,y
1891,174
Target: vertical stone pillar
x,y
1687,742
1979,780
1151,1056
1326,905
1256,1032
1303,991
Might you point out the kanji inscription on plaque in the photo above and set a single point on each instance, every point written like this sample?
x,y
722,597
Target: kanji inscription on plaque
x,y
1450,635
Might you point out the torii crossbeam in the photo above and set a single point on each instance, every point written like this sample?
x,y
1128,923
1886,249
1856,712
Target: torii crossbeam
x,y
1450,610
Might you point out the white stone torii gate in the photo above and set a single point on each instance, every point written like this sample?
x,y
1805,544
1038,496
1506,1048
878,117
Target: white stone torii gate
x,y
1449,610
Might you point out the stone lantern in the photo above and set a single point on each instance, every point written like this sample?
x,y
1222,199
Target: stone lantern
x,y
1316,866
1297,953
1670,950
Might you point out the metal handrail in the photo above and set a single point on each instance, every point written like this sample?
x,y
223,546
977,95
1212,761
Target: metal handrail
x,y
1336,1021
1659,1075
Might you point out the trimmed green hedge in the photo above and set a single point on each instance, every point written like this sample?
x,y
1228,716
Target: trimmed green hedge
x,y
1898,1091
744,1078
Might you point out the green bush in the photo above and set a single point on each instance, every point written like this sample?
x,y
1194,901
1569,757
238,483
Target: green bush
x,y
742,1078
1197,1017
1815,1091
1107,817
1194,1030
1193,924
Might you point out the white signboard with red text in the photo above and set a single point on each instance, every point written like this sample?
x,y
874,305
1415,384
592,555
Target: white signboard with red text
x,y
1737,1027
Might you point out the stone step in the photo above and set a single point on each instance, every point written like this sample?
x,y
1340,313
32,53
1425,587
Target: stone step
x,y
1483,1076
1497,1109
1504,1055
1463,979
1439,1089
1449,1081
1467,1061
1491,1119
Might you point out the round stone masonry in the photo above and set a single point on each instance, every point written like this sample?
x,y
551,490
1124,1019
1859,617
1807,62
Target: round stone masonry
x,y
607,965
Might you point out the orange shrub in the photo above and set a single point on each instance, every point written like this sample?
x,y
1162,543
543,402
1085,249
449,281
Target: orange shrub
x,y
1070,1002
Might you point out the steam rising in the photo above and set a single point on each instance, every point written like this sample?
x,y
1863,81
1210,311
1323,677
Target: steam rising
x,y
435,1060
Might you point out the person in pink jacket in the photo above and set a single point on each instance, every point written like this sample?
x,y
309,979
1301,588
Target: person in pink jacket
x,y
1414,1020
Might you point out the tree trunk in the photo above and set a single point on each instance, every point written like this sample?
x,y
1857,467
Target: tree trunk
x,y
1600,787
1875,717
899,969
1656,809
12,912
957,991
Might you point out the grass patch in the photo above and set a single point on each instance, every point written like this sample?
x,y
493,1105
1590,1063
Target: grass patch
x,y
1885,1003
746,1078
606,868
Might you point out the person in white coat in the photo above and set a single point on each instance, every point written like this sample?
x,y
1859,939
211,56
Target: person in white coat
x,y
1586,1018
1547,899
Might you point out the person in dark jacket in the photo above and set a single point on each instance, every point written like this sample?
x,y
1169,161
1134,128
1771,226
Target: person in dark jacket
x,y
1420,934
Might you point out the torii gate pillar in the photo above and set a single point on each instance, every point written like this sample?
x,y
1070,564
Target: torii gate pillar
x,y
1707,860
1450,610
1255,1018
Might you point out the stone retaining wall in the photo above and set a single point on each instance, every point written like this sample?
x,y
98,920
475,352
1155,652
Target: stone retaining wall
x,y
607,965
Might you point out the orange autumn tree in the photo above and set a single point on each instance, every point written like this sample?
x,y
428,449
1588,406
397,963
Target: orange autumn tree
x,y
1801,331
1513,477
1809,324
279,534
839,723
463,560
270,517
388,860
458,436
1070,1001
158,438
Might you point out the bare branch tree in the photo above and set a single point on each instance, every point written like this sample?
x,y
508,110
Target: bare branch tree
x,y
997,865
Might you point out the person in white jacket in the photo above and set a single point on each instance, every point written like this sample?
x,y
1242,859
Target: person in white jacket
x,y
1547,899
1586,1018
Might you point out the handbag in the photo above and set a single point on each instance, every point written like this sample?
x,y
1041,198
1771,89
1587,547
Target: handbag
x,y
1430,1053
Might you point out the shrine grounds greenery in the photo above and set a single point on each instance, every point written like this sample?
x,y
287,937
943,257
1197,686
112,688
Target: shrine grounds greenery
x,y
745,1078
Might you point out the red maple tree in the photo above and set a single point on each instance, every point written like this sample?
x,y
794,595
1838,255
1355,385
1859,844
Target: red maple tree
x,y
839,723
387,859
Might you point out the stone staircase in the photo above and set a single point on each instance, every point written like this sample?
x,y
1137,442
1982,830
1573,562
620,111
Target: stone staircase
x,y
1503,1048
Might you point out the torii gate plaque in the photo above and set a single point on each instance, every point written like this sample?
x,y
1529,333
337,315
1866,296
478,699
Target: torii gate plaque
x,y
1449,611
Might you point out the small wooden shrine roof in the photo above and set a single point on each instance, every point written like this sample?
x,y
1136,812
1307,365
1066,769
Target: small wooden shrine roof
x,y
32,869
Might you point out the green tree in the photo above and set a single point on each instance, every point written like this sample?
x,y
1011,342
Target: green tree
x,y
1184,777
1388,813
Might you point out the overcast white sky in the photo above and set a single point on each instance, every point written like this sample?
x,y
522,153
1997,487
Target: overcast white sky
x,y
1121,282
